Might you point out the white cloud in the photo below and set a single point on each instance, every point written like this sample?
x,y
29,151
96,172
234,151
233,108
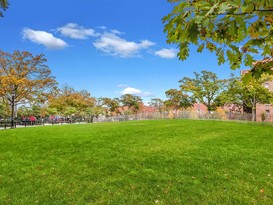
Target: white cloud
x,y
122,85
116,32
44,38
73,30
134,91
102,27
166,53
112,44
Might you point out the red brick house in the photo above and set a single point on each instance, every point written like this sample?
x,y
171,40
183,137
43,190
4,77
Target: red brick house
x,y
199,108
267,109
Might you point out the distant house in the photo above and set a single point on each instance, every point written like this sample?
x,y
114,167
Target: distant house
x,y
143,109
147,109
199,108
267,109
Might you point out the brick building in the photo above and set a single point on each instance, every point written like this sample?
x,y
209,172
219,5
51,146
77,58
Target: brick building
x,y
267,109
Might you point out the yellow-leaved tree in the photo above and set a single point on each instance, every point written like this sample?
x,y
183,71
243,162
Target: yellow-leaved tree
x,y
68,101
24,78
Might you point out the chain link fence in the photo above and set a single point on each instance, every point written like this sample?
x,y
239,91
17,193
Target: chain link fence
x,y
5,124
225,116
179,115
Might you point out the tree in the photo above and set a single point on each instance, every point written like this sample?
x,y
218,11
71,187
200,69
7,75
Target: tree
x,y
94,111
69,111
233,95
24,78
4,109
36,110
233,30
112,105
24,111
158,104
205,88
68,100
131,101
249,94
51,111
3,6
178,100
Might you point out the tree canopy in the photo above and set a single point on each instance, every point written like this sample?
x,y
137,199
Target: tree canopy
x,y
112,105
24,76
131,101
158,104
234,30
248,95
3,6
4,109
69,101
232,96
176,99
24,111
204,87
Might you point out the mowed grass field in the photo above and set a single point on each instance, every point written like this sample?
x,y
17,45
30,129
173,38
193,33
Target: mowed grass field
x,y
138,162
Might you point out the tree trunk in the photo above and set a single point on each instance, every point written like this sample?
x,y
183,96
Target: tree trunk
x,y
253,114
12,110
254,109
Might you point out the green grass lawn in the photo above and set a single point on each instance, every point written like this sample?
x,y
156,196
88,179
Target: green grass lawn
x,y
138,162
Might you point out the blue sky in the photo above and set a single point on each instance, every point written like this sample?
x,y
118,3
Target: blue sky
x,y
108,47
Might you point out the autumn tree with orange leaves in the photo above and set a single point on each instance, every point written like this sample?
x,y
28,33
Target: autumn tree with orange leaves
x,y
68,101
24,78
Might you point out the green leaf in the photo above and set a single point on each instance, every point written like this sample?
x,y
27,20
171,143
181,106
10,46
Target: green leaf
x,y
235,49
248,8
193,32
233,29
253,50
221,57
210,46
198,19
206,22
224,7
184,51
248,60
212,9
200,48
246,78
254,42
267,50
